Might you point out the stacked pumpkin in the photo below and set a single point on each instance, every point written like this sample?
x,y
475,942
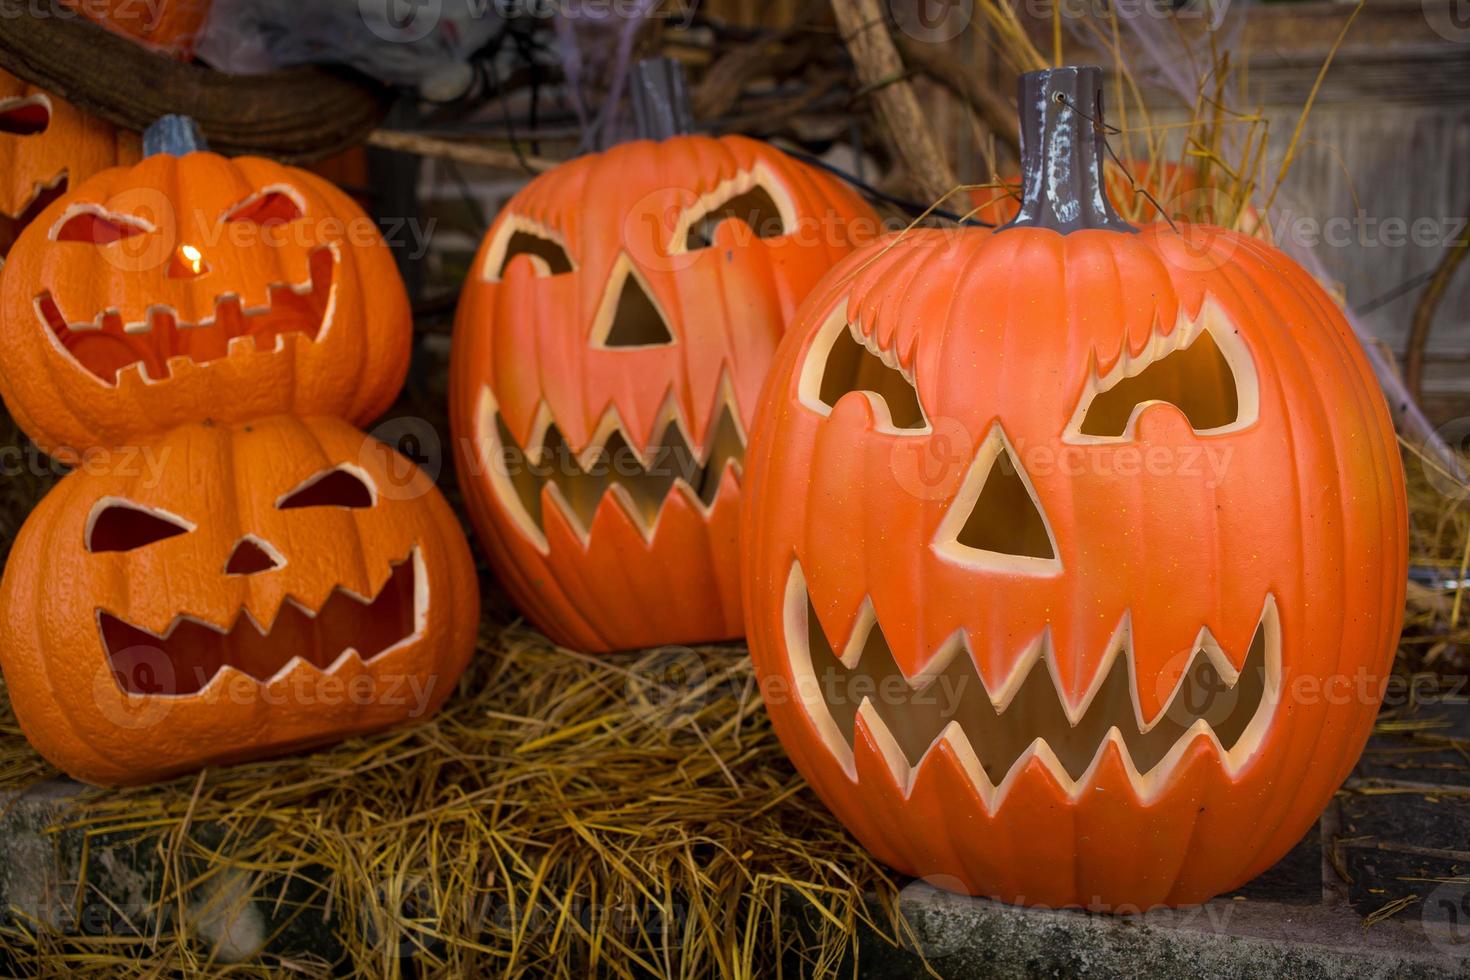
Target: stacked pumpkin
x,y
234,570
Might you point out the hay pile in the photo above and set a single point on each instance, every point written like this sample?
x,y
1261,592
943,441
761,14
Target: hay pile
x,y
563,814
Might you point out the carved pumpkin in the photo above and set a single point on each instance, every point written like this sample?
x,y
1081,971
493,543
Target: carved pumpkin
x,y
1074,553
47,145
608,354
171,27
194,286
230,593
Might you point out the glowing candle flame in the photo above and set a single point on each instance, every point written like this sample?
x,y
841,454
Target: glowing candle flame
x,y
193,258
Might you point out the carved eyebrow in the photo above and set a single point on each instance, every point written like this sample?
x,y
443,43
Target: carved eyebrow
x,y
95,224
1202,368
841,359
276,204
521,236
753,197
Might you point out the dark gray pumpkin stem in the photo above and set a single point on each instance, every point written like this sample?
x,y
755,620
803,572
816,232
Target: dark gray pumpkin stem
x,y
1063,148
175,135
660,99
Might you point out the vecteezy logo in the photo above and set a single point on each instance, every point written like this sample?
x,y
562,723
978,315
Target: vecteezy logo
x,y
403,21
415,449
932,21
1450,19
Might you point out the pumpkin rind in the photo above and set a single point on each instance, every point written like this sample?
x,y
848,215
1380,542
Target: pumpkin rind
x,y
352,369
525,347
226,482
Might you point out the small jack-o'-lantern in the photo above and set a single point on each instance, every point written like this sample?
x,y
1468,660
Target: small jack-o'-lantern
x,y
609,350
229,593
1074,553
192,286
47,145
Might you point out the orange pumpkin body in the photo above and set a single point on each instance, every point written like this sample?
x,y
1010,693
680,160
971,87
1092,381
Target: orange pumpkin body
x,y
1074,562
171,27
197,287
230,593
619,320
46,144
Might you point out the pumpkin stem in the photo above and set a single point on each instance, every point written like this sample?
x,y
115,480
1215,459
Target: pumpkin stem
x,y
660,99
175,135
1063,147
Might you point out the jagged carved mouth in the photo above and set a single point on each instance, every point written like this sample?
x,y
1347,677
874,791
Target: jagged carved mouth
x,y
995,735
11,225
577,482
107,347
191,653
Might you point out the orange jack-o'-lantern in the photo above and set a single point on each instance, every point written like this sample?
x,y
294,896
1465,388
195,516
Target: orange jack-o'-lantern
x,y
47,145
1074,552
229,593
608,354
193,287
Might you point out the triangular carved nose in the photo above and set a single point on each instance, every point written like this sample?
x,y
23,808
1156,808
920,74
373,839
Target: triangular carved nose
x,y
996,520
252,555
632,319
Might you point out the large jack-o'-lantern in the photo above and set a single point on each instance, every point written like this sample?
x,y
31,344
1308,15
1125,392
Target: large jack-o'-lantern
x,y
230,593
609,350
193,287
46,146
1074,553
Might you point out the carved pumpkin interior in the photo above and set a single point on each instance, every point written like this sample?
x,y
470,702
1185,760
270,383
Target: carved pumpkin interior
x,y
191,651
578,484
105,345
1196,379
916,715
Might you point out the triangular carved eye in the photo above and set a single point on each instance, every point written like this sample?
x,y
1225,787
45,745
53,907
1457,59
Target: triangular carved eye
x,y
637,322
629,317
121,525
996,520
344,486
96,227
268,208
30,116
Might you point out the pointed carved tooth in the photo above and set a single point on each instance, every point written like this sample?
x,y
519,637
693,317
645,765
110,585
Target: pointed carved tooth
x,y
857,638
893,756
130,374
348,657
296,663
224,679
535,448
239,345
